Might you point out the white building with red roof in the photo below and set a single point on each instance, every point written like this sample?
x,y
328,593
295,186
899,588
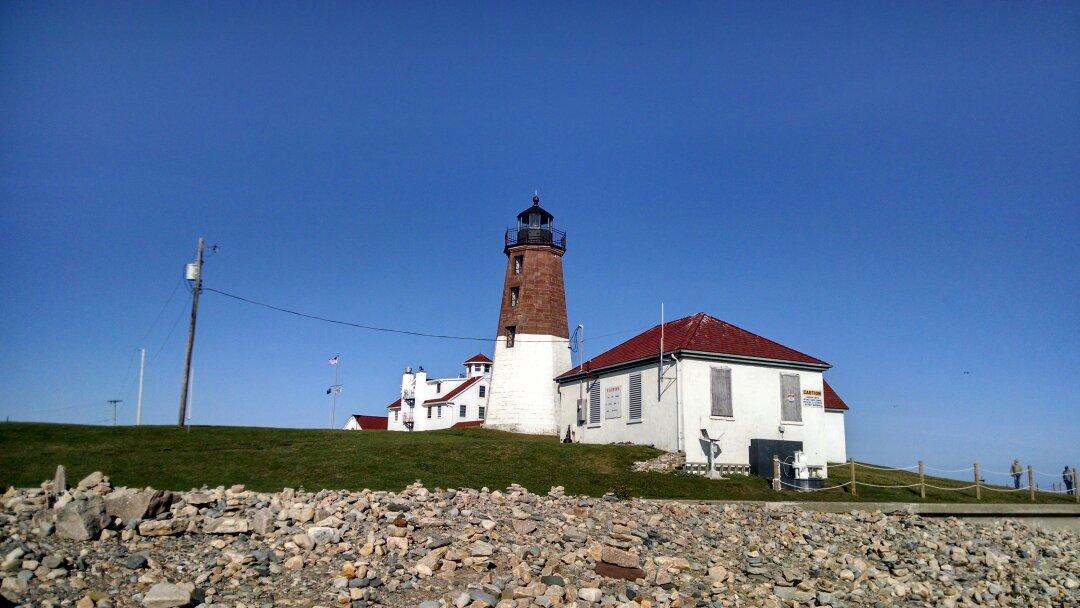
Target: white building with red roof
x,y
428,404
680,384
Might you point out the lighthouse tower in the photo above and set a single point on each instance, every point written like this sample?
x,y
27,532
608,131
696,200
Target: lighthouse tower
x,y
532,344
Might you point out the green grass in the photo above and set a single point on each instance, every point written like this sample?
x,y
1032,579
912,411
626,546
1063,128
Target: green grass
x,y
269,459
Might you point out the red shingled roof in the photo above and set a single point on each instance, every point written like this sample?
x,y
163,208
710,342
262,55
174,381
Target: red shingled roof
x,y
371,423
454,393
701,333
395,405
468,424
832,400
478,358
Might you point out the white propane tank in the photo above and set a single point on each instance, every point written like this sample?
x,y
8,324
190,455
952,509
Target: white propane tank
x,y
191,271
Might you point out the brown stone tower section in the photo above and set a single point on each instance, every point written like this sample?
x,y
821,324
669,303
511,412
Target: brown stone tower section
x,y
534,299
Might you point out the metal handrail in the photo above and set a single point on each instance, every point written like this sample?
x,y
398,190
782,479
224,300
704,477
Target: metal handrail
x,y
535,236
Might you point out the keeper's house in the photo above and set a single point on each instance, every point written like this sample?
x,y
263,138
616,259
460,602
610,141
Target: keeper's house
x,y
429,404
712,376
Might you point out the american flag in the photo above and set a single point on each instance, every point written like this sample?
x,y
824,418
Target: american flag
x,y
334,359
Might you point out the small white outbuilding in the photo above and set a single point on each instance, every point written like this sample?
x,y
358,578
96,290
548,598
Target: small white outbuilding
x,y
677,385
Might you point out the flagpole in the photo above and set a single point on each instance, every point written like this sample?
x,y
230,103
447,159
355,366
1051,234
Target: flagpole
x,y
333,396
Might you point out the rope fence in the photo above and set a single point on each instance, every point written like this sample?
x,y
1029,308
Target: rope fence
x,y
1070,479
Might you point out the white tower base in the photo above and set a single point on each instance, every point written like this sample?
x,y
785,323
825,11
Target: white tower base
x,y
524,395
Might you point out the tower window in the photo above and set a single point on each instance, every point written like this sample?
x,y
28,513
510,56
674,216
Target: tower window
x,y
515,295
487,368
511,333
483,390
519,264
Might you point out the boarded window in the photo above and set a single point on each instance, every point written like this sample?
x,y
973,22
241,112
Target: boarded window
x,y
613,402
594,403
635,396
720,382
483,390
790,398
461,411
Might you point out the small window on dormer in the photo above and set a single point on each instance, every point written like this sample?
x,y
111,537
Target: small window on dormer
x,y
438,387
515,295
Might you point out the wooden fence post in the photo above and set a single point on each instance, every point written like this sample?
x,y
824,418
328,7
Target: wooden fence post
x,y
776,473
854,488
922,480
978,483
1031,483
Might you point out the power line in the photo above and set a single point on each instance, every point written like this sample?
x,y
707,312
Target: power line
x,y
164,306
358,325
172,329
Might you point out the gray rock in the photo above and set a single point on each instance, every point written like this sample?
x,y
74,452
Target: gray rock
x,y
81,519
166,595
321,535
60,480
263,522
129,504
227,525
136,561
91,480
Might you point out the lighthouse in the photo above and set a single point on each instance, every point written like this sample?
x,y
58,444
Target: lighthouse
x,y
532,340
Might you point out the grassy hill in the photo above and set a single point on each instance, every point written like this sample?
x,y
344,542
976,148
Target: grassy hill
x,y
270,459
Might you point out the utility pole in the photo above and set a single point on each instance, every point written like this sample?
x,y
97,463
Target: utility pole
x,y
194,273
138,403
114,402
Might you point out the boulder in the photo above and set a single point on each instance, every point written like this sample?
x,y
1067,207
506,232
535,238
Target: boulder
x,y
82,519
618,557
91,480
130,504
263,522
227,525
160,527
59,481
614,571
167,595
321,535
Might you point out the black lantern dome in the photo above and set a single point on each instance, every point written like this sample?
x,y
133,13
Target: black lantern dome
x,y
536,226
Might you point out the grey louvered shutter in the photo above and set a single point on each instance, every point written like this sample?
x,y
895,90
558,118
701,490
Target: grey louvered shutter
x,y
790,398
635,396
721,392
594,402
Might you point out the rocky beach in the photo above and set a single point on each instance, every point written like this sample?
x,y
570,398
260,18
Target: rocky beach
x,y
96,545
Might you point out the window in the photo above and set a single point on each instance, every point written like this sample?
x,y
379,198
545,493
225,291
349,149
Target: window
x,y
519,264
461,411
487,368
635,397
594,402
511,333
476,367
515,295
395,415
438,387
790,398
440,411
534,220
483,390
429,412
481,412
720,387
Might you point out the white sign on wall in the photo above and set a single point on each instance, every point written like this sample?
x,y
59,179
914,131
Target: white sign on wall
x,y
812,398
613,402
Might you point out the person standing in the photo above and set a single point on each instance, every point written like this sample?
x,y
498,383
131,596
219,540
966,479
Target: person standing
x,y
1067,477
1016,471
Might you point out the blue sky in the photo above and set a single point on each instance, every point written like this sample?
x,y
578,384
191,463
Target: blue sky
x,y
892,188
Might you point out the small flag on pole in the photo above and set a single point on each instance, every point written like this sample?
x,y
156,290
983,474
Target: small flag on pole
x,y
334,359
334,390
